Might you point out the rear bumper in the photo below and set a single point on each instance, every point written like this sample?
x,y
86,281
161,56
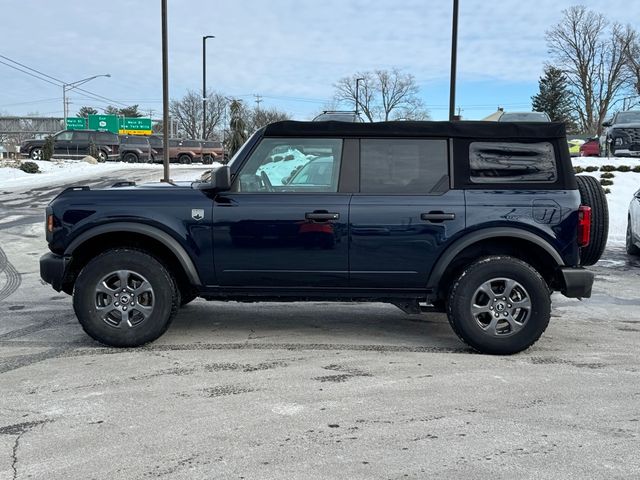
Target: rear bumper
x,y
576,282
52,269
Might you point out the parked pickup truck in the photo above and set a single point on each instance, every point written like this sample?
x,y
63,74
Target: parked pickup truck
x,y
479,219
622,134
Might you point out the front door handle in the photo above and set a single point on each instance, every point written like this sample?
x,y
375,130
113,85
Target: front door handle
x,y
437,217
321,216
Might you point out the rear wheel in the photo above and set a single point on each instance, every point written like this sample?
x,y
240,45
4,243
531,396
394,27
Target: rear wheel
x,y
592,194
499,305
631,247
102,156
207,159
125,298
184,159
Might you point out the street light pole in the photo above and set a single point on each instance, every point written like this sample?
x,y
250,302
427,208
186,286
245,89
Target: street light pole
x,y
71,86
204,84
165,94
358,80
454,54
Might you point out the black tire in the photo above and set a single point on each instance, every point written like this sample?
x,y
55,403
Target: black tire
x,y
102,156
507,336
163,298
592,194
207,159
184,159
632,249
36,154
130,157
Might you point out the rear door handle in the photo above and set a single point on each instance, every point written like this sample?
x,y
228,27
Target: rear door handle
x,y
321,216
436,217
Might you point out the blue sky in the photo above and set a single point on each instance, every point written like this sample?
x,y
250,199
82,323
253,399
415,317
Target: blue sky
x,y
289,51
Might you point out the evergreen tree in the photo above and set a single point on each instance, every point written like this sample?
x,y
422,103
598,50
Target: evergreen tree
x,y
237,127
86,111
554,97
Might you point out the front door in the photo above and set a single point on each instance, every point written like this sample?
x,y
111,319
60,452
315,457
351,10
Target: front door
x,y
61,144
284,224
405,215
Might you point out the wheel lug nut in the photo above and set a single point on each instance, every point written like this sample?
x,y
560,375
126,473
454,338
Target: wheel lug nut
x,y
504,298
116,294
125,309
117,304
497,315
124,290
490,308
509,305
505,313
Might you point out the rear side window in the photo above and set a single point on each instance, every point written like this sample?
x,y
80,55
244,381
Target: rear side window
x,y
80,136
406,166
106,137
511,162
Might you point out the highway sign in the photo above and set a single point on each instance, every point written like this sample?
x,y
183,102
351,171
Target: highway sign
x,y
103,123
135,126
76,123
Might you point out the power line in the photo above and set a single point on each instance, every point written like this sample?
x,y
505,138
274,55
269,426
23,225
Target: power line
x,y
88,94
29,73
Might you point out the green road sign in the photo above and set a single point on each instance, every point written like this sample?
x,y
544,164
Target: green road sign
x,y
103,123
135,126
76,123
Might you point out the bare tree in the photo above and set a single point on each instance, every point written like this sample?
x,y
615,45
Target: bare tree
x,y
633,65
592,53
258,117
188,113
383,95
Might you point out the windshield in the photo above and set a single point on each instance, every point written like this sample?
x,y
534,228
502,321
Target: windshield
x,y
628,117
524,117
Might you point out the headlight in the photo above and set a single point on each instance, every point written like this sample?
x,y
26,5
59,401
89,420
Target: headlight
x,y
618,141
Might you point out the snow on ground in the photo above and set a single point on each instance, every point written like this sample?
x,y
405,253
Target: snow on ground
x,y
625,184
64,171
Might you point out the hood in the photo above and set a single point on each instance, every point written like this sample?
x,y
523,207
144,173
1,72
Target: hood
x,y
625,125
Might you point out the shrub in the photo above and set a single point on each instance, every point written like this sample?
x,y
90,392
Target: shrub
x,y
624,168
607,175
93,149
607,190
607,168
29,167
47,148
636,169
578,169
604,182
591,169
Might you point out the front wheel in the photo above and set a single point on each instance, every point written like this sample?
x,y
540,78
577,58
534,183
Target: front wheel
x,y
499,305
36,154
102,156
125,298
632,249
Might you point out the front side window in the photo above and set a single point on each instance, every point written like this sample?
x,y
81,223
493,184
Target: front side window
x,y
292,165
64,136
403,166
511,162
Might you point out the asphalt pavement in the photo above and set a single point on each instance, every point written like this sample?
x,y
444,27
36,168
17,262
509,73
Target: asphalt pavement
x,y
310,390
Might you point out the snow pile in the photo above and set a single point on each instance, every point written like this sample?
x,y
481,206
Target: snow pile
x,y
283,165
65,171
625,184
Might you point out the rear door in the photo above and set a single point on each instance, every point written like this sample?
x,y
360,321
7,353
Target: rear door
x,y
285,223
404,215
79,146
61,144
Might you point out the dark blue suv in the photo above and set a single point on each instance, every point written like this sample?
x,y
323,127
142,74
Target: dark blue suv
x,y
479,219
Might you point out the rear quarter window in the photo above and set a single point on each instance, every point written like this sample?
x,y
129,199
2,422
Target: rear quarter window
x,y
512,162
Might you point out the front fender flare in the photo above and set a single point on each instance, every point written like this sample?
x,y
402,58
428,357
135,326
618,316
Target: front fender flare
x,y
167,240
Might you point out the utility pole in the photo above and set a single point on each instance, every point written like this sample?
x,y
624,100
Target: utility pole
x,y
454,53
165,93
204,85
258,101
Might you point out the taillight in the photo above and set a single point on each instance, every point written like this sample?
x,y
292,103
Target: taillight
x,y
50,223
584,225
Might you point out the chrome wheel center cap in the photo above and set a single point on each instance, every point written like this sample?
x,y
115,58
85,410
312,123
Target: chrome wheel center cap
x,y
124,299
500,306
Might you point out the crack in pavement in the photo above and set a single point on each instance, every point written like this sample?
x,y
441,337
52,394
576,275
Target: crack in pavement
x,y
20,429
14,279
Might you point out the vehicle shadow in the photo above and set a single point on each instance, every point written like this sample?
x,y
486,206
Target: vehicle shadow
x,y
304,326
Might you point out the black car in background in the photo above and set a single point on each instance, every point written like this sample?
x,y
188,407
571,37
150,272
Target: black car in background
x,y
75,144
136,149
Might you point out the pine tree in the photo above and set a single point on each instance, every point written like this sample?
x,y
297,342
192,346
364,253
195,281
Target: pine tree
x,y
554,97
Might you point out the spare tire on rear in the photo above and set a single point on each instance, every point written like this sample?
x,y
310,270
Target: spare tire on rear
x,y
592,194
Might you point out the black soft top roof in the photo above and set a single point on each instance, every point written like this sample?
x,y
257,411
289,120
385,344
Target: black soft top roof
x,y
460,129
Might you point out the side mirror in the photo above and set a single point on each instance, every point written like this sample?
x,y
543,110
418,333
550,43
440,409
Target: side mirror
x,y
220,180
606,123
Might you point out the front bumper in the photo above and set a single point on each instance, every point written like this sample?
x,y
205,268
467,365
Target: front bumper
x,y
576,282
53,269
